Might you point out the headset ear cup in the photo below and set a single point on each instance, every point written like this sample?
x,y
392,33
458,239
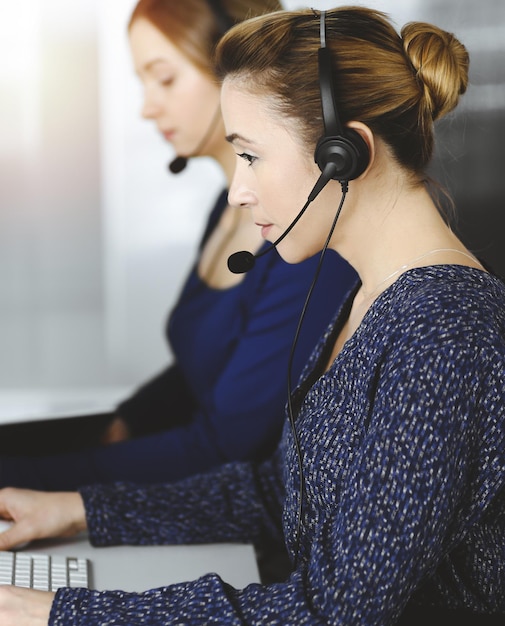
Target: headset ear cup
x,y
349,153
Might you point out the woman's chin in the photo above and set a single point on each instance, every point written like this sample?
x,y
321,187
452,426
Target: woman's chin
x,y
293,257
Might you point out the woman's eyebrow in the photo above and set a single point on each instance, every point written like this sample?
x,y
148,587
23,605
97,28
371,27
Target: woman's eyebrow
x,y
236,137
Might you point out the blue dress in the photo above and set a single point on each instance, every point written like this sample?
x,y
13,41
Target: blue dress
x,y
403,446
223,398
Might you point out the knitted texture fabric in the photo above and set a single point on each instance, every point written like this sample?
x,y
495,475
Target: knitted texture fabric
x,y
403,448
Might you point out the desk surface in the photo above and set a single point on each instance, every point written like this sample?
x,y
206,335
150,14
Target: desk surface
x,y
130,568
138,568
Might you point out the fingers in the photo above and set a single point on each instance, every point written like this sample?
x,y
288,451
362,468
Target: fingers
x,y
11,536
39,515
4,503
116,432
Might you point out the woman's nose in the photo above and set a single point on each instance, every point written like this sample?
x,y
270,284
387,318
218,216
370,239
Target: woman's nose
x,y
150,107
239,195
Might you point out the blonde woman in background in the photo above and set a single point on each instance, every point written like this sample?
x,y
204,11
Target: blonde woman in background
x,y
223,397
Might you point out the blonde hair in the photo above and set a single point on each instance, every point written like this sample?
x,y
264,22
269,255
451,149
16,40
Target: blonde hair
x,y
192,25
397,84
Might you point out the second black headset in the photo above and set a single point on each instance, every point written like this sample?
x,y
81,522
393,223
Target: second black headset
x,y
224,22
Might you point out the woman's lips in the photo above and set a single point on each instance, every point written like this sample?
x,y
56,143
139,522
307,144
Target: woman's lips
x,y
265,229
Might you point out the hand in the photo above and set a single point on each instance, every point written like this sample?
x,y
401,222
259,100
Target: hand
x,y
116,431
24,607
39,515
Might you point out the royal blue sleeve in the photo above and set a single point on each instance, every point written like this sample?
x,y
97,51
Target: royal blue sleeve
x,y
246,403
225,399
161,402
239,407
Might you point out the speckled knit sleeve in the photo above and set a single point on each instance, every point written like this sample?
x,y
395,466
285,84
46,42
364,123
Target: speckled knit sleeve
x,y
239,502
403,444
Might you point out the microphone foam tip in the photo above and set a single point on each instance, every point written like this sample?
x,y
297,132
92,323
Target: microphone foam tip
x,y
241,262
178,164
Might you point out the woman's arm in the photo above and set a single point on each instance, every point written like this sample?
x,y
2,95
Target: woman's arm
x,y
236,502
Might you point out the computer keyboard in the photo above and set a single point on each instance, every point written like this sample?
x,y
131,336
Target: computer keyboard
x,y
47,572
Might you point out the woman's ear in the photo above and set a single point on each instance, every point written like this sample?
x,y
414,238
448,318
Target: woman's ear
x,y
366,134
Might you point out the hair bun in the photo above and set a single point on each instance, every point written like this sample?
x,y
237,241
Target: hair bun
x,y
440,62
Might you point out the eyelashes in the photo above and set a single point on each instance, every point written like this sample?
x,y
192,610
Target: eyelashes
x,y
247,157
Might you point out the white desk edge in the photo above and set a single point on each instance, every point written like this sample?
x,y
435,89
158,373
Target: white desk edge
x,y
138,568
155,566
33,404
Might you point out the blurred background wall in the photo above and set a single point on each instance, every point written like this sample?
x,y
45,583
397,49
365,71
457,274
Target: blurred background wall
x,y
96,236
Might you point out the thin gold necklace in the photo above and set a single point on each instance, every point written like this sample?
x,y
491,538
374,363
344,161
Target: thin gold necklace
x,y
405,266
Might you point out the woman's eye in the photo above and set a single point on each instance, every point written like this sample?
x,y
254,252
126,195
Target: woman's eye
x,y
248,157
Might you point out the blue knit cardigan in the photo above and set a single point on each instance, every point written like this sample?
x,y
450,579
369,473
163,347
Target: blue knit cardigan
x,y
403,445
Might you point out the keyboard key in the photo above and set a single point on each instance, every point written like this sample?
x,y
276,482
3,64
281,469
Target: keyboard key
x,y
43,571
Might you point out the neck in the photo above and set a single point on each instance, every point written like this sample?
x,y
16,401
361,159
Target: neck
x,y
390,232
416,262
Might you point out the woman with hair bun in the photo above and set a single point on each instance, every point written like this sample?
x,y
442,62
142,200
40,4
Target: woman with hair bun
x,y
389,484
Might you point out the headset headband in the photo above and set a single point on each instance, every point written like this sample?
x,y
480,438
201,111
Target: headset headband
x,y
332,125
222,16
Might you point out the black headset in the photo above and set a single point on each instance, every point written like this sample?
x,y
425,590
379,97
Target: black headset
x,y
223,18
344,154
224,22
343,147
